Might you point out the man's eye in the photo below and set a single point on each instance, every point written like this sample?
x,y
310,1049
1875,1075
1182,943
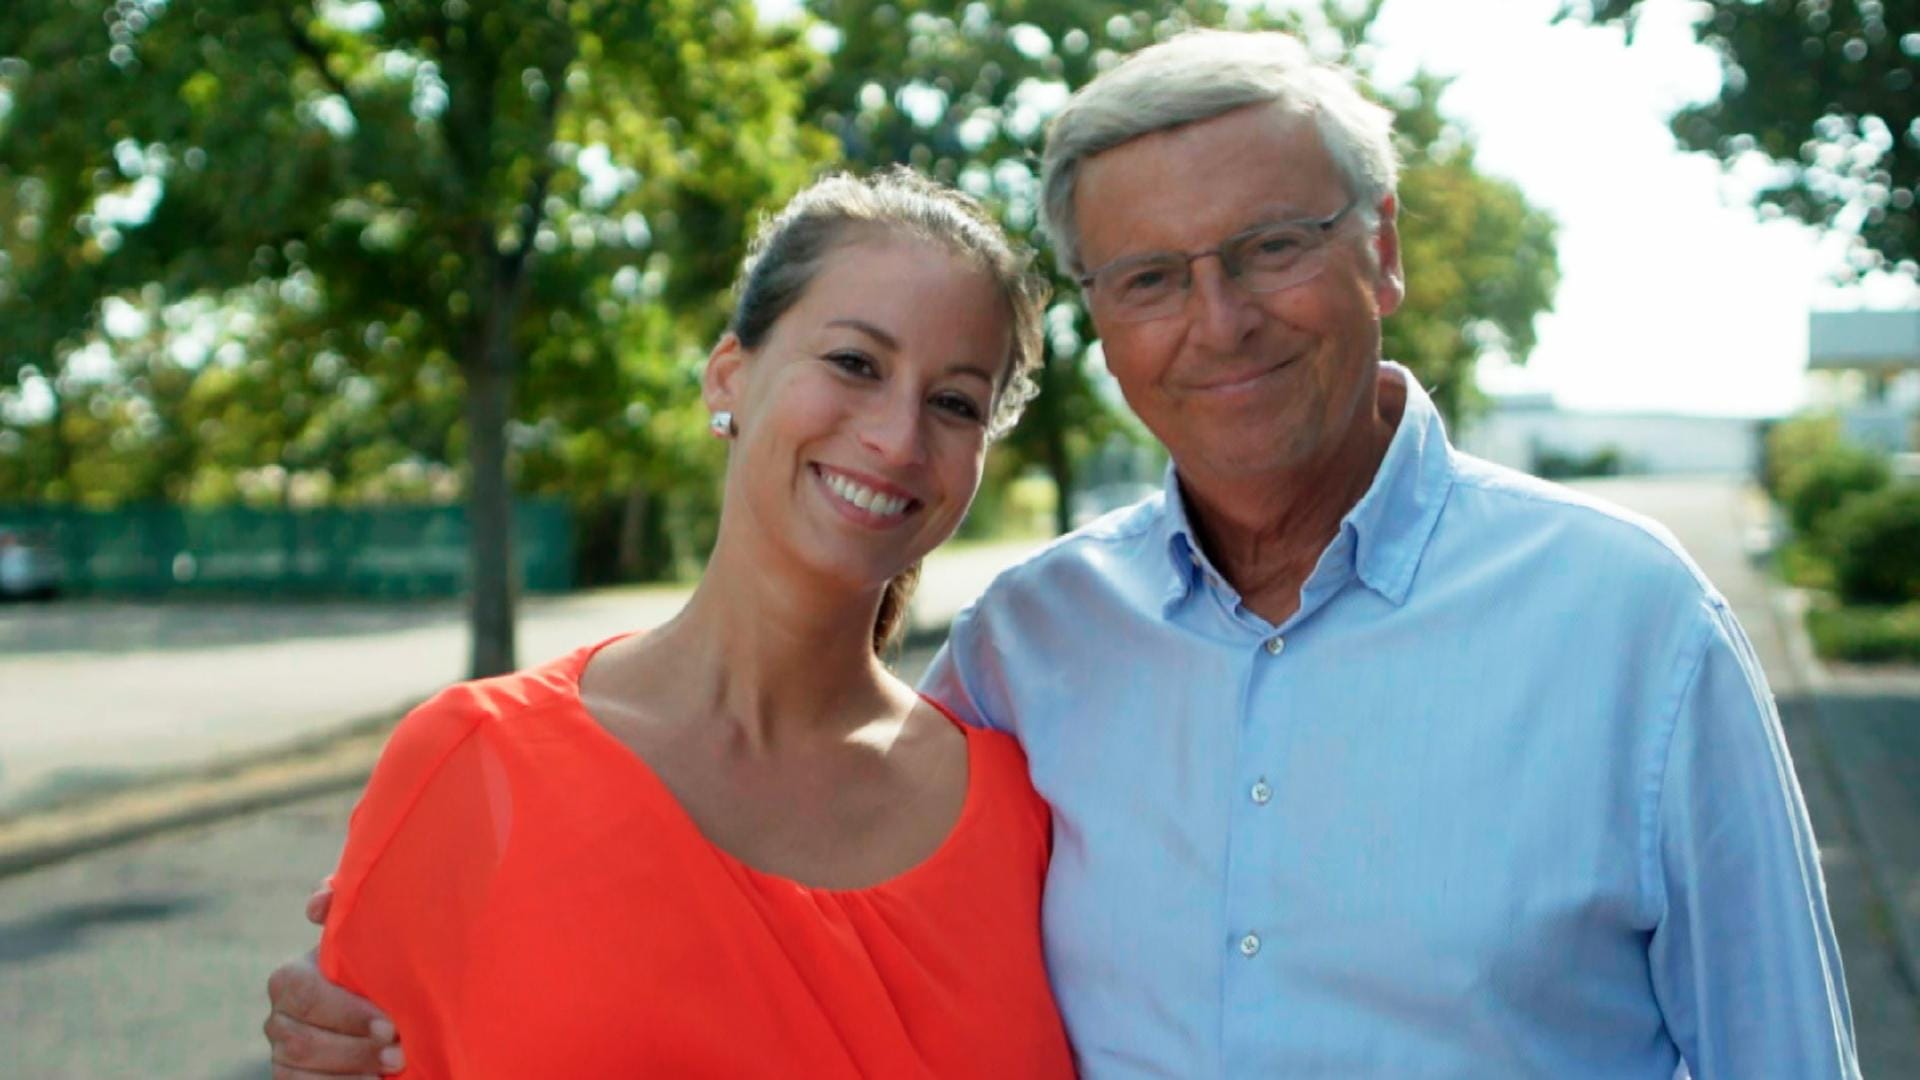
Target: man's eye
x,y
1276,245
1145,279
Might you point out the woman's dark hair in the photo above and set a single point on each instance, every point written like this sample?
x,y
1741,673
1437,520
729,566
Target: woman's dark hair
x,y
789,249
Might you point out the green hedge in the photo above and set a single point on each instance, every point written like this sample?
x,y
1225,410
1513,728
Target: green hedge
x,y
1866,634
1873,541
1814,487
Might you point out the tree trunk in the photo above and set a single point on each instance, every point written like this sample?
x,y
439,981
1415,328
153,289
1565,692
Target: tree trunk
x,y
1054,439
490,501
632,558
1060,465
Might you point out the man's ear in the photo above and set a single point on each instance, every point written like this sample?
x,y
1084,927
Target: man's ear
x,y
1390,281
723,381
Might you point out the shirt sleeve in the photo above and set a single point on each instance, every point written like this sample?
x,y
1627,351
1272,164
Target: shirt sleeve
x,y
416,865
1743,956
964,675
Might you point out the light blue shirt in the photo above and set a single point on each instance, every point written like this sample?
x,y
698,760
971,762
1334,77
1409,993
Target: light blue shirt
x,y
1506,797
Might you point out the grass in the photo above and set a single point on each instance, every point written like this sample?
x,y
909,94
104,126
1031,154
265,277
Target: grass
x,y
1866,634
1860,633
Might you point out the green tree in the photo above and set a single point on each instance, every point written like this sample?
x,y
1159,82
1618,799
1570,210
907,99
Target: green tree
x,y
1481,262
434,187
1825,90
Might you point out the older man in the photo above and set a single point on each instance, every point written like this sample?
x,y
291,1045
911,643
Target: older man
x,y
1368,758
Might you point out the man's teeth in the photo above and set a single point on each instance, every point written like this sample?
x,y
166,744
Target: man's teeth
x,y
865,498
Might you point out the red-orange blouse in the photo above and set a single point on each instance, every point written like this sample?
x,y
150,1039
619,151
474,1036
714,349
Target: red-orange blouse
x,y
525,898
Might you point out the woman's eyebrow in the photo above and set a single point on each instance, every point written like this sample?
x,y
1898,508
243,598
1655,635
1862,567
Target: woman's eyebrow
x,y
893,344
974,370
870,330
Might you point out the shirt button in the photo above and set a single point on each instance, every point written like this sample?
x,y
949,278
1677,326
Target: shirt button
x,y
1250,945
1275,644
1261,792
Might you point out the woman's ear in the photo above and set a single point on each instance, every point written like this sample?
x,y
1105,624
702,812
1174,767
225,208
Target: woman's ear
x,y
722,382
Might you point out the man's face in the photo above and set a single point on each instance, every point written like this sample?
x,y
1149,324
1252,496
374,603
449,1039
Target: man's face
x,y
1236,383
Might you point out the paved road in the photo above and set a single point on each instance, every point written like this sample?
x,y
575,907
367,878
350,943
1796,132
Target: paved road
x,y
148,960
93,692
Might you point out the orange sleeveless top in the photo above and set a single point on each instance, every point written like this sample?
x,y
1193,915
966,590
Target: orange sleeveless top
x,y
525,898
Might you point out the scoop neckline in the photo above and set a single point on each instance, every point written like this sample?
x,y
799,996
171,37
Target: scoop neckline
x,y
632,760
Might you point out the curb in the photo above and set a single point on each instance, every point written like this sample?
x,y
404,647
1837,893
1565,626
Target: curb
x,y
338,761
335,762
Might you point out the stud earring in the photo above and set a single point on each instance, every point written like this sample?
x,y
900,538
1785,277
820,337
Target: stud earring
x,y
721,425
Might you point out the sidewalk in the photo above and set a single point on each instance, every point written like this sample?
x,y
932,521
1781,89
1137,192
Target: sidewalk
x,y
120,719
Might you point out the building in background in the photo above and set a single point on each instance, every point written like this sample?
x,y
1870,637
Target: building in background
x,y
1865,367
1531,432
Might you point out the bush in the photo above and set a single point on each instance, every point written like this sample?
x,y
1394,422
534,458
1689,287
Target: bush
x,y
1551,464
1813,487
1866,634
1803,566
1791,441
1874,544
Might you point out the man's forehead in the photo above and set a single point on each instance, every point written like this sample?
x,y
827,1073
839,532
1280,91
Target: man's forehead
x,y
1200,183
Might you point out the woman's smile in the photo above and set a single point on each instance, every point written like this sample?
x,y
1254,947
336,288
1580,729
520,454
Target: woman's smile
x,y
864,499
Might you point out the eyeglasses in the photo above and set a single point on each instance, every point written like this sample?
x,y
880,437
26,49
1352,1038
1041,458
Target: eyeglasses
x,y
1264,259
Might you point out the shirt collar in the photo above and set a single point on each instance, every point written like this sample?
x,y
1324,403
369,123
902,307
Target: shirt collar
x,y
1384,534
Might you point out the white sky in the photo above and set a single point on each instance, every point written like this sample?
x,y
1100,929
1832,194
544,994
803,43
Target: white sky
x,y
1674,297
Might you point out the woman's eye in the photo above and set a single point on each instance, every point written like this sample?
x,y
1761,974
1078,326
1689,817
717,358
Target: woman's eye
x,y
852,363
960,405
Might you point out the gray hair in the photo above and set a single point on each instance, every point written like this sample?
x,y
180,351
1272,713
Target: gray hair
x,y
789,249
1196,76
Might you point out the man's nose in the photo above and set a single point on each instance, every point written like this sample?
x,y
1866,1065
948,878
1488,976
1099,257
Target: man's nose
x,y
1220,311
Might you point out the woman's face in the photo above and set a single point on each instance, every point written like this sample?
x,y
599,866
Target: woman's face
x,y
862,417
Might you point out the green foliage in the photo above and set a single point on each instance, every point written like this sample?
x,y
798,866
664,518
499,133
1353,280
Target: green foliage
x,y
1813,487
275,254
1791,442
1866,634
427,200
1874,539
1481,263
1826,92
1800,563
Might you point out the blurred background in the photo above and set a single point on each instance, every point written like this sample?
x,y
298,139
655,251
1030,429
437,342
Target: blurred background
x,y
348,348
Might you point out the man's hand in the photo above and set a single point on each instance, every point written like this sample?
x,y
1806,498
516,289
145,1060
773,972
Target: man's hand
x,y
317,1029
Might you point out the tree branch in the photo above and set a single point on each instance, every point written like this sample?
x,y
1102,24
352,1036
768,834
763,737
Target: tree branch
x,y
305,45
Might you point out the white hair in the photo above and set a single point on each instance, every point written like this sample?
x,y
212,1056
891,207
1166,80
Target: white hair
x,y
1196,76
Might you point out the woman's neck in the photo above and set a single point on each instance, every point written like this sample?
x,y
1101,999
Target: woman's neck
x,y
777,658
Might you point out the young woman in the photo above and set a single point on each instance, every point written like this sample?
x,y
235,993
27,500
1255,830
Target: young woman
x,y
735,845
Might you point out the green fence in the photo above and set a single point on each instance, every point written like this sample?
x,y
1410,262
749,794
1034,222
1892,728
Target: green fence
x,y
392,551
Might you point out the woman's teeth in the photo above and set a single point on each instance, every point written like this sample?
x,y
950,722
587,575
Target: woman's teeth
x,y
865,498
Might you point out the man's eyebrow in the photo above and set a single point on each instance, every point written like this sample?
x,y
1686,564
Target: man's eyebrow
x,y
870,330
